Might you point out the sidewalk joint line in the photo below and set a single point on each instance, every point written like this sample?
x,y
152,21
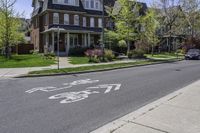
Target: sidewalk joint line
x,y
149,127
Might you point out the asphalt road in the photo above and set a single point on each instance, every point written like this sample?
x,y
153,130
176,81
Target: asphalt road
x,y
79,109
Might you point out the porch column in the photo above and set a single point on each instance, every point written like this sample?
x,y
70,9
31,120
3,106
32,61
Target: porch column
x,y
68,43
89,40
53,45
47,41
85,40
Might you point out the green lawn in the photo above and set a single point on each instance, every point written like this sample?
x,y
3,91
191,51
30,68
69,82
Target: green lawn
x,y
164,56
96,67
19,61
78,60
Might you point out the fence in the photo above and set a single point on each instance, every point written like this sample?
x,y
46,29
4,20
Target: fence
x,y
22,48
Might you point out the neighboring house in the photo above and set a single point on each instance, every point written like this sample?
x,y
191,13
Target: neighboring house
x,y
170,33
79,23
25,28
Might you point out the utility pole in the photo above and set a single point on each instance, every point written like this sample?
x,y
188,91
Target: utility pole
x,y
103,26
58,47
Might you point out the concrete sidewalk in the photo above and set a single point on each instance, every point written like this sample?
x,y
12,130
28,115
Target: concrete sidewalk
x,y
64,63
178,112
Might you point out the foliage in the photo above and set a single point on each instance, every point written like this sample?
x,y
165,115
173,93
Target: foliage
x,y
136,54
190,21
122,44
150,26
49,56
9,26
126,20
191,43
108,55
95,55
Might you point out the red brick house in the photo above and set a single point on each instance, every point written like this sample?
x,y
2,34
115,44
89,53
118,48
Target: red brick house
x,y
79,23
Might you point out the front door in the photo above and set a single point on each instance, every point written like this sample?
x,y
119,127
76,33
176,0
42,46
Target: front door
x,y
73,40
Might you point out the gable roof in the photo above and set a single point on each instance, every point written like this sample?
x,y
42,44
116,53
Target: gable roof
x,y
48,4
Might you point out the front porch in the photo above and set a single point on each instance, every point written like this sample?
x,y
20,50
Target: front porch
x,y
68,40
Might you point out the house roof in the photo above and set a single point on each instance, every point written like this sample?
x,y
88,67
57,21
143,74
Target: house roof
x,y
48,4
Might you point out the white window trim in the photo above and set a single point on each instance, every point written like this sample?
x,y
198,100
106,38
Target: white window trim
x,y
66,16
54,18
100,5
84,22
78,22
92,22
63,3
100,22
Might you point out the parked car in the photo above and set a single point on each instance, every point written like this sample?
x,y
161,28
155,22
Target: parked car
x,y
193,54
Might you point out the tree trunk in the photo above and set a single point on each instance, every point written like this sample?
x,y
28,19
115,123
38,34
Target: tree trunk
x,y
152,50
128,46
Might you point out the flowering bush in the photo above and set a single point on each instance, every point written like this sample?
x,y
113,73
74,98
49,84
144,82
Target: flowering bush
x,y
94,55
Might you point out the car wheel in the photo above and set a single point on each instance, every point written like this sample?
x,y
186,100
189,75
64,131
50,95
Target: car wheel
x,y
199,58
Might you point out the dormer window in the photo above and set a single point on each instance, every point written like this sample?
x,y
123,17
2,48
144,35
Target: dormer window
x,y
92,4
67,2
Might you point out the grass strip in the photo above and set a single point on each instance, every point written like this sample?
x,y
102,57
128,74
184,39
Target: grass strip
x,y
96,67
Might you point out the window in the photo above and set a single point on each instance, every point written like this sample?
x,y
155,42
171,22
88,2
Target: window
x,y
46,17
100,22
84,22
55,18
97,5
87,4
93,4
66,19
91,22
76,20
67,2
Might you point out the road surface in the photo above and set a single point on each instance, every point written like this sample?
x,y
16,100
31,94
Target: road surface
x,y
82,103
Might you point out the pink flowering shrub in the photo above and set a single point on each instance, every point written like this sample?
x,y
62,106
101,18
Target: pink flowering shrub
x,y
94,55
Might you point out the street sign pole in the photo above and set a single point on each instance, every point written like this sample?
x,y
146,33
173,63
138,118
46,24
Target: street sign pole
x,y
58,47
103,26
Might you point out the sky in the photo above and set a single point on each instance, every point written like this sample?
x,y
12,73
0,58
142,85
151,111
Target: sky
x,y
24,6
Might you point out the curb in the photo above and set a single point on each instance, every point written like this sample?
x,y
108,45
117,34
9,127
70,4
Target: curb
x,y
92,71
143,110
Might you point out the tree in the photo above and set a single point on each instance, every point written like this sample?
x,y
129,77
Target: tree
x,y
191,17
169,17
150,25
9,26
126,17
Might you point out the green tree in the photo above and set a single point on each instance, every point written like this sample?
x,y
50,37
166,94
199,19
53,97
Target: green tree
x,y
126,17
150,25
9,26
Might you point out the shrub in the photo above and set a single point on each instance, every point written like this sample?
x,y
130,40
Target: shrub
x,y
34,52
122,44
94,55
78,51
49,56
108,54
136,54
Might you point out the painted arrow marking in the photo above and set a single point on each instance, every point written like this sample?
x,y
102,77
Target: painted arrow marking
x,y
108,87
